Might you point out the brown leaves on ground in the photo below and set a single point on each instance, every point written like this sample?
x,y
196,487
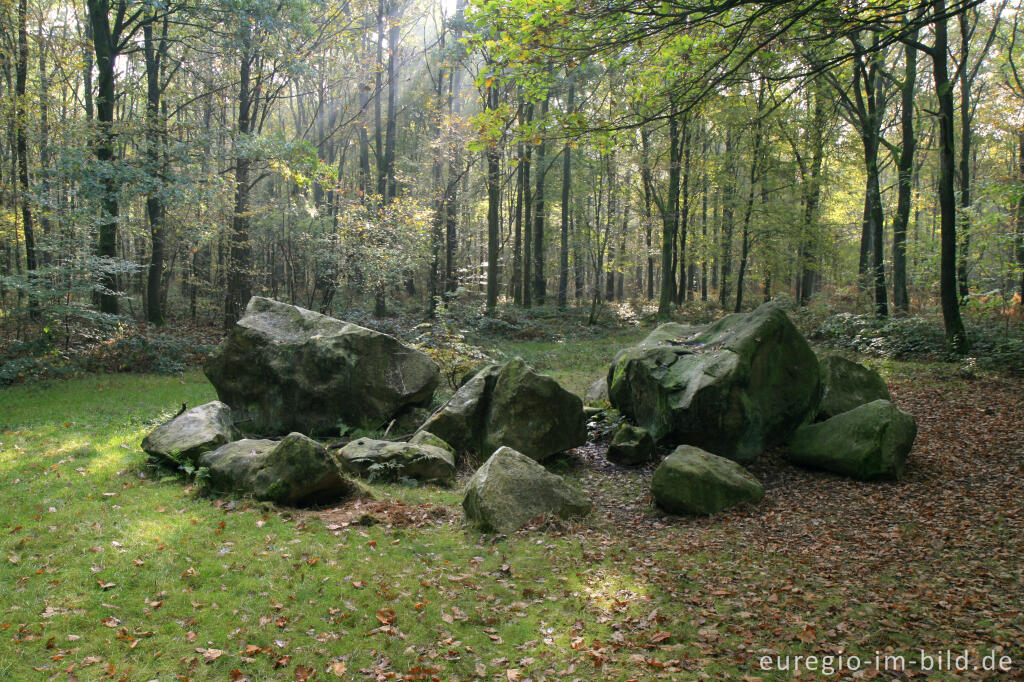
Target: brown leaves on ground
x,y
387,513
826,564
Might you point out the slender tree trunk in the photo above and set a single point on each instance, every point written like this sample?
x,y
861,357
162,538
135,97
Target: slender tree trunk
x,y
539,281
493,207
20,120
1019,237
965,157
390,133
670,219
527,219
684,213
563,262
105,148
956,337
239,267
155,211
725,267
905,170
517,245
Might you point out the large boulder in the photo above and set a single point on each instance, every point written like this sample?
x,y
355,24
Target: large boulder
x,y
846,385
732,388
294,470
511,405
184,439
868,442
511,488
283,368
390,461
631,446
692,481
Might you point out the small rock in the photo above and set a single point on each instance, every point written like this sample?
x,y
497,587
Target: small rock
x,y
631,446
184,439
511,488
691,481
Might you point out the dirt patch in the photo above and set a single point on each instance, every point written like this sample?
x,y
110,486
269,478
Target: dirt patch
x,y
393,514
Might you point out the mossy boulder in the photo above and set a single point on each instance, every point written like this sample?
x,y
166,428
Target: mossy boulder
x,y
511,405
184,439
510,489
631,446
427,438
390,461
295,470
283,368
732,388
846,384
869,442
692,481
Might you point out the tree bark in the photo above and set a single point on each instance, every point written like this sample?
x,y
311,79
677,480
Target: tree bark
x,y
493,154
563,260
905,170
539,281
956,337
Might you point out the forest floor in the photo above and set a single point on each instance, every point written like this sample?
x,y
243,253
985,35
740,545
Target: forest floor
x,y
115,570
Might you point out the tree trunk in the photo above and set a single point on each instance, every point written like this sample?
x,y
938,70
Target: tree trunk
x,y
239,266
563,261
527,219
725,267
155,210
20,117
493,207
956,337
905,170
670,218
965,157
539,281
105,149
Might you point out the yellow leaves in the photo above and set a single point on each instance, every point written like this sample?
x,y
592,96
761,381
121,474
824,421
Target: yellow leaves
x,y
338,668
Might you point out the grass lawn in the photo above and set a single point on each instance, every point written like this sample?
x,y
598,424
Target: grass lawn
x,y
113,570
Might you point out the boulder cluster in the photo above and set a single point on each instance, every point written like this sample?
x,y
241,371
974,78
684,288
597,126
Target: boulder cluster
x,y
721,394
284,372
716,395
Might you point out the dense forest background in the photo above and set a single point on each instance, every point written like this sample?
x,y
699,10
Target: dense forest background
x,y
164,161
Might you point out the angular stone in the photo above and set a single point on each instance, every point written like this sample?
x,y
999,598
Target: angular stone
x,y
510,489
631,446
732,388
390,461
460,421
294,470
184,439
532,414
692,481
284,368
511,405
427,438
869,442
846,385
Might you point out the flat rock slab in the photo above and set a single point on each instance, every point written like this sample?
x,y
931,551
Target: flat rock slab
x,y
194,432
295,470
692,481
869,442
732,388
390,461
283,368
510,489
